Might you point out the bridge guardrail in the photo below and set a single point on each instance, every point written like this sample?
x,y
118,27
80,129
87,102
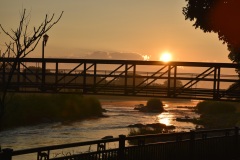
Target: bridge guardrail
x,y
194,145
211,81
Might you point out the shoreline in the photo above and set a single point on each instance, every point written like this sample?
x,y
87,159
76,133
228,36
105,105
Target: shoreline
x,y
130,98
127,101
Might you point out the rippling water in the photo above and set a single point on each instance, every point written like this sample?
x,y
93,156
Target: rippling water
x,y
119,114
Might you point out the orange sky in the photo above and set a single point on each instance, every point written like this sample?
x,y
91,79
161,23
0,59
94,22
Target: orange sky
x,y
117,29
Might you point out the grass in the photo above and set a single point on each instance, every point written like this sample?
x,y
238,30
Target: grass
x,y
30,109
147,129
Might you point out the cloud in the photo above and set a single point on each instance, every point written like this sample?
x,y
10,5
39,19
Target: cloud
x,y
91,54
113,55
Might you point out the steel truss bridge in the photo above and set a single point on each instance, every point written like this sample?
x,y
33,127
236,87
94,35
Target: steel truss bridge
x,y
187,80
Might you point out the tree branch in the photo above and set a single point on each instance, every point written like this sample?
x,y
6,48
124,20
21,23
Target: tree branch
x,y
23,43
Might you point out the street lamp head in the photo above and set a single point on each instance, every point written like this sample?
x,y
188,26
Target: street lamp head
x,y
45,39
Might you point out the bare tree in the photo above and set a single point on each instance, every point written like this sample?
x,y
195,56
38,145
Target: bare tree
x,y
22,42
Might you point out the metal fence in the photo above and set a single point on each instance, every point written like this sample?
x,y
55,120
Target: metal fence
x,y
221,144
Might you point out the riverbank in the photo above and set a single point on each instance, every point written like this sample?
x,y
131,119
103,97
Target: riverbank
x,y
32,109
107,98
120,114
115,122
129,101
216,115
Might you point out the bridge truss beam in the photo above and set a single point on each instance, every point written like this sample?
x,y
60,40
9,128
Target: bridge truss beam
x,y
188,80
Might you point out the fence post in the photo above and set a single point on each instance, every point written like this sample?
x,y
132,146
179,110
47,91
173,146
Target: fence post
x,y
7,153
192,145
121,147
236,130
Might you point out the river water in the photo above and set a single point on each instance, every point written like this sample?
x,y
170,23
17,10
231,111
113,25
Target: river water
x,y
119,115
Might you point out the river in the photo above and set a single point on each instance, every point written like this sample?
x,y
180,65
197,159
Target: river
x,y
119,115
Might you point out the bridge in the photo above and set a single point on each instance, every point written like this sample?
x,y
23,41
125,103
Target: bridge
x,y
186,80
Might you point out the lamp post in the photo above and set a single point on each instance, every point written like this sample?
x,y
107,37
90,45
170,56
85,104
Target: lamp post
x,y
44,42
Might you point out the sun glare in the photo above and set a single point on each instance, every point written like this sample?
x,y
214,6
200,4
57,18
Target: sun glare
x,y
165,118
166,57
146,57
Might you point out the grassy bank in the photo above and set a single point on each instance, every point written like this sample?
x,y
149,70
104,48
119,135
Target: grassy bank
x,y
216,114
30,109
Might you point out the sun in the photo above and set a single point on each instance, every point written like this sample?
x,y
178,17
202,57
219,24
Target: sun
x,y
166,57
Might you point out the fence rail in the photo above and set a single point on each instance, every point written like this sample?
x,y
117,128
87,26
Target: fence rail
x,y
219,144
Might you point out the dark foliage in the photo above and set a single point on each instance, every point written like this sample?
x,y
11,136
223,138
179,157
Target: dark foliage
x,y
25,41
218,16
216,114
33,109
155,104
212,107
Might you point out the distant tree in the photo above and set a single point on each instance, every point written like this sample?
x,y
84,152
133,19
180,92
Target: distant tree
x,y
138,80
34,69
22,42
178,83
233,87
218,16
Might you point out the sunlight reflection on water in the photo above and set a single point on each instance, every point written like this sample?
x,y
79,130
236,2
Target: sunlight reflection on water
x,y
119,114
165,118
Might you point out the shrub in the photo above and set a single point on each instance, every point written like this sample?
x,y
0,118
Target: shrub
x,y
37,108
156,128
217,114
215,107
155,104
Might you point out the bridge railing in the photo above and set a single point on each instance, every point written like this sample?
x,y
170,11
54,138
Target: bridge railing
x,y
219,144
194,80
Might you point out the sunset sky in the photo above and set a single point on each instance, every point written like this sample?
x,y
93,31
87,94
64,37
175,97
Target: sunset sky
x,y
116,29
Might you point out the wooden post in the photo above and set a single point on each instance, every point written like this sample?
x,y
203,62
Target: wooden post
x,y
169,82
95,78
7,153
43,74
84,77
56,77
121,147
125,80
192,145
18,76
134,80
236,130
4,72
43,67
175,81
